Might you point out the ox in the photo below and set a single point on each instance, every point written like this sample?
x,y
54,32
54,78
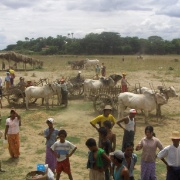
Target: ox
x,y
168,92
91,63
90,84
46,92
146,102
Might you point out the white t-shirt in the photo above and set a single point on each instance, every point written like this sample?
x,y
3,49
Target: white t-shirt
x,y
13,125
62,149
172,155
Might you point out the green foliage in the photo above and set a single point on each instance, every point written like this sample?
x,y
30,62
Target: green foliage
x,y
93,43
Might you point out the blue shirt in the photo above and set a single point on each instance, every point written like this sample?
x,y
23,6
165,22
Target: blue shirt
x,y
52,138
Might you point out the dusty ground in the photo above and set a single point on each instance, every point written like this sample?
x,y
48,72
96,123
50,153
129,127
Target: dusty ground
x,y
75,120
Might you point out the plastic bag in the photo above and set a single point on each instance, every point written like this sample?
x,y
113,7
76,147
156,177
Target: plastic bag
x,y
5,144
50,174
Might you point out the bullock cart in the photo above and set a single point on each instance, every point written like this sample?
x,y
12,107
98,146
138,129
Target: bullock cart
x,y
105,96
15,95
78,88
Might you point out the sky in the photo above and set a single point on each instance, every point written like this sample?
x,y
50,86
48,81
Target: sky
x,y
44,18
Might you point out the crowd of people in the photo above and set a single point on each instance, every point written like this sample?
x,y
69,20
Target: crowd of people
x,y
104,160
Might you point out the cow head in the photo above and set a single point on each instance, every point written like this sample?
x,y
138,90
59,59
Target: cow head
x,y
107,81
116,77
160,98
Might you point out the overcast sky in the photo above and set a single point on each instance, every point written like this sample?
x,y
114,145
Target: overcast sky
x,y
44,18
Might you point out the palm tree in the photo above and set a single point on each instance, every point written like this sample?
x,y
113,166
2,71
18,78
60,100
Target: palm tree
x,y
72,34
68,35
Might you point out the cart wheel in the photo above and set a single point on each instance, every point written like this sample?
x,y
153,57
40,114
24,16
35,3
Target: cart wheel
x,y
77,90
100,101
16,97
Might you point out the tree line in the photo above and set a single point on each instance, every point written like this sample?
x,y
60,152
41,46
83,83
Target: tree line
x,y
105,43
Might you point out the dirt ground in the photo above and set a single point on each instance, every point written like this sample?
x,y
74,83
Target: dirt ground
x,y
75,120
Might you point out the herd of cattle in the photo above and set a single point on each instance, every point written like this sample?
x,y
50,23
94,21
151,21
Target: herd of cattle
x,y
143,99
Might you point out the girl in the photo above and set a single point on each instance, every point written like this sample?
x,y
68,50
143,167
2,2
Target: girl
x,y
149,145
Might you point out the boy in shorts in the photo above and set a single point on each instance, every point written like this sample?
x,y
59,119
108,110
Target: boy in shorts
x,y
62,150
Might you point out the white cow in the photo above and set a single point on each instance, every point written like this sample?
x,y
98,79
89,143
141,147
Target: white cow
x,y
146,102
90,84
91,63
46,92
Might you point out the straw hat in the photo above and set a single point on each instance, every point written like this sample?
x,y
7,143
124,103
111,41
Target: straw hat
x,y
108,107
175,135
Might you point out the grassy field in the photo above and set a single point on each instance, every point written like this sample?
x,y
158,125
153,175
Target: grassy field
x,y
75,119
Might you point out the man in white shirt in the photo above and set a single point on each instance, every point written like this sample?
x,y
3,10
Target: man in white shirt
x,y
172,155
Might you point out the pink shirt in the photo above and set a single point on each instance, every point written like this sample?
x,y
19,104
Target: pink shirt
x,y
149,147
13,125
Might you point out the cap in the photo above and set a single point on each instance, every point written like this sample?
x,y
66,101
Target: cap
x,y
79,72
108,107
51,120
133,111
175,135
118,154
7,72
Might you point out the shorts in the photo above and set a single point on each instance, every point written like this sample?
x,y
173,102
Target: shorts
x,y
63,166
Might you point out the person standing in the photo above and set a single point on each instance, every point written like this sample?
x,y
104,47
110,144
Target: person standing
x,y
105,116
103,70
62,150
172,155
120,171
12,133
105,144
1,91
51,136
130,127
96,159
64,92
124,83
7,81
130,159
97,70
12,76
149,145
110,135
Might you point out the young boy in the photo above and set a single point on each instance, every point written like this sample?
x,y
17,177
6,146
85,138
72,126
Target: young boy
x,y
96,161
110,135
120,171
61,151
105,144
130,159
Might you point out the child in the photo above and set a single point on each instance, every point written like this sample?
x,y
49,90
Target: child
x,y
51,136
149,145
130,159
95,160
110,135
106,145
120,171
61,152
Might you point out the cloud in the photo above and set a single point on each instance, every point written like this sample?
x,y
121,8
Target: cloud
x,y
43,18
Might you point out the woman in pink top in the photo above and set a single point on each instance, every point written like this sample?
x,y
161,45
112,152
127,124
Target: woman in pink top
x,y
12,133
149,145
